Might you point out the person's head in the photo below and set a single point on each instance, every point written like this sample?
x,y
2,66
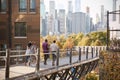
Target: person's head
x,y
29,43
46,40
54,41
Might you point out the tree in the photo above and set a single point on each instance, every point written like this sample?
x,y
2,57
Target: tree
x,y
86,41
69,43
97,43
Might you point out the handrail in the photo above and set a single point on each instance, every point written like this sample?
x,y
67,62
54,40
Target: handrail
x,y
23,55
2,51
2,56
88,49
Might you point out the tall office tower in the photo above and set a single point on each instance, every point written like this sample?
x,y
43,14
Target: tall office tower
x,y
56,14
97,18
87,10
52,8
119,15
42,18
91,25
62,21
70,7
102,16
114,8
56,23
77,6
69,18
42,9
47,22
78,22
87,20
51,16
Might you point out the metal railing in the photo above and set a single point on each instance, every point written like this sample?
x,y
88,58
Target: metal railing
x,y
80,50
8,56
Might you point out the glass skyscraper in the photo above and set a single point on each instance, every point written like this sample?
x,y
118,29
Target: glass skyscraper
x,y
77,6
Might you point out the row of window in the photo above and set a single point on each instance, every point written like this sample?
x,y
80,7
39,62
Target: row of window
x,y
22,5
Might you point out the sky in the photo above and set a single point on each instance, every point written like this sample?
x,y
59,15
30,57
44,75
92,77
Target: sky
x,y
94,5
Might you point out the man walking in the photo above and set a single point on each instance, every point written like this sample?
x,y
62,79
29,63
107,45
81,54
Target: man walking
x,y
53,49
45,47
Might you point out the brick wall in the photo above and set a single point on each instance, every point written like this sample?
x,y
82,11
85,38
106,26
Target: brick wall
x,y
32,21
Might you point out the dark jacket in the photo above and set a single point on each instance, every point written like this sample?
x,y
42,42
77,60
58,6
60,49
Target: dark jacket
x,y
45,47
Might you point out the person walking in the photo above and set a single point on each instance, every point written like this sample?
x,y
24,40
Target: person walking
x,y
53,49
33,48
33,51
45,47
28,51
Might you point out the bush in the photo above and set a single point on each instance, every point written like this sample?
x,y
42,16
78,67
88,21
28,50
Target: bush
x,y
92,76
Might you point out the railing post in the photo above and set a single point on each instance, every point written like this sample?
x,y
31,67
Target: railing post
x,y
100,49
7,64
70,56
96,51
38,61
79,54
87,53
83,50
92,51
57,62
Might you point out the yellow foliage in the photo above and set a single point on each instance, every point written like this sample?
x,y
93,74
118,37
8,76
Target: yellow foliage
x,y
85,41
96,43
92,76
69,43
110,65
59,44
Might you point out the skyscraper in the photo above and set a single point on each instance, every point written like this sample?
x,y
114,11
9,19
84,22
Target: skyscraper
x,y
114,8
56,23
42,9
62,21
42,18
69,18
52,8
79,22
77,6
102,15
87,10
51,17
87,20
119,15
70,7
97,18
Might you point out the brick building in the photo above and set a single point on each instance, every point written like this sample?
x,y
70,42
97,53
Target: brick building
x,y
19,23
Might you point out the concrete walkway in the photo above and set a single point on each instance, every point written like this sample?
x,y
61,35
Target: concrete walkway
x,y
22,69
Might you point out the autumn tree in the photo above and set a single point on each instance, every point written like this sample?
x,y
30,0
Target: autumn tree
x,y
69,43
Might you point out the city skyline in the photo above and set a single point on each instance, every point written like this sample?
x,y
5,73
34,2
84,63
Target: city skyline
x,y
94,5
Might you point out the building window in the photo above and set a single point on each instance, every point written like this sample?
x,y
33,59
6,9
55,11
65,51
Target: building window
x,y
20,29
22,5
3,5
32,5
18,46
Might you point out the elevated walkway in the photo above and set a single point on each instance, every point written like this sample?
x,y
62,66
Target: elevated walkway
x,y
69,67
